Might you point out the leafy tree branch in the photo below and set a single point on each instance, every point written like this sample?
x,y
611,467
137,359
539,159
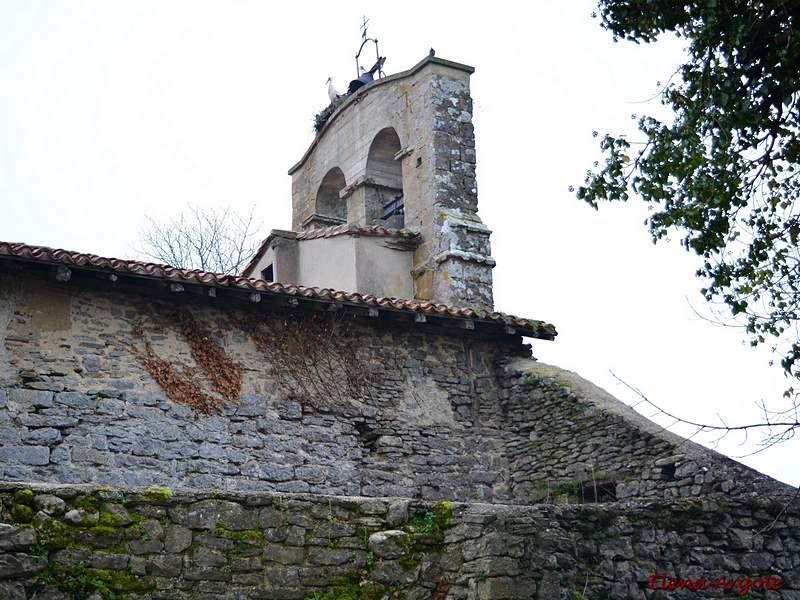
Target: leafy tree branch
x,y
725,173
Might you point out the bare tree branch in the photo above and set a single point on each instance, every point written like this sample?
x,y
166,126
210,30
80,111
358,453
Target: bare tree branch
x,y
779,426
219,242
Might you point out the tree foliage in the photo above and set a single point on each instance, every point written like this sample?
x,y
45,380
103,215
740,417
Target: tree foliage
x,y
218,242
726,172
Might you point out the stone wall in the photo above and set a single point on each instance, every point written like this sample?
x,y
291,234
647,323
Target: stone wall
x,y
115,388
567,436
68,542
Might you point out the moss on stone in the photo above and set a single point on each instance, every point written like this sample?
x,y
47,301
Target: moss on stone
x,y
109,520
444,514
242,540
80,581
102,530
24,497
53,534
158,492
89,503
409,561
355,585
22,513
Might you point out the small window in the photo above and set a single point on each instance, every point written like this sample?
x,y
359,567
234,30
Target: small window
x,y
394,212
268,274
600,490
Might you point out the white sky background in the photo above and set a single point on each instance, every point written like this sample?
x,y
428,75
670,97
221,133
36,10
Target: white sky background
x,y
114,111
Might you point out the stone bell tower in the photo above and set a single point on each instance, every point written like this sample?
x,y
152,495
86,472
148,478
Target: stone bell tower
x,y
393,165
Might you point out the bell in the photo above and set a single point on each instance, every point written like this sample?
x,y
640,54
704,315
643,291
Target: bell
x,y
366,77
354,85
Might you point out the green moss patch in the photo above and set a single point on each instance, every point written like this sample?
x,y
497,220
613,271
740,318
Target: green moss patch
x,y
22,513
356,585
158,492
80,581
23,497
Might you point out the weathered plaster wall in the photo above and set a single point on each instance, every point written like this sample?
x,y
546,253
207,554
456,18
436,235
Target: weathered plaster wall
x,y
365,264
330,405
67,542
338,271
383,269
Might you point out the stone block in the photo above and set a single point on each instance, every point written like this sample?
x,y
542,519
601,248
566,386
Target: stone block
x,y
16,538
282,576
204,557
119,515
25,455
12,591
206,574
246,564
301,520
279,593
388,544
138,565
109,561
91,364
110,406
74,400
70,556
153,529
178,539
253,580
57,421
207,513
145,546
617,548
213,542
388,572
492,544
15,565
506,588
285,555
323,556
397,513
293,487
270,517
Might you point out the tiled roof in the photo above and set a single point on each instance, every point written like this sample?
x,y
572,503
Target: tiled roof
x,y
354,228
174,275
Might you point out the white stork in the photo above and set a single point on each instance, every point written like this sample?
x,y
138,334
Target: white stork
x,y
333,94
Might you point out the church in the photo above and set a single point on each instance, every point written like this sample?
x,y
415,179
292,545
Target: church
x,y
350,417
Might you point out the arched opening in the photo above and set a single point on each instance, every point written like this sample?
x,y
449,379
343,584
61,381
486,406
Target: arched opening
x,y
384,194
329,206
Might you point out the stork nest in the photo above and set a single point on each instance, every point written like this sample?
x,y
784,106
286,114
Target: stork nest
x,y
322,116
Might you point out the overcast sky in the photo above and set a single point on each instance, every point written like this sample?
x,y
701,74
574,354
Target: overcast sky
x,y
111,112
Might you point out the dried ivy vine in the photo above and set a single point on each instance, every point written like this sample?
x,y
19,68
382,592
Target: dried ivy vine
x,y
224,373
314,358
178,379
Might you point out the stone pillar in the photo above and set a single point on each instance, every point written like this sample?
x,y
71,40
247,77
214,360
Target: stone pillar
x,y
453,264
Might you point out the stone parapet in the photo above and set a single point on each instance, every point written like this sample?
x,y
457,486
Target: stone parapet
x,y
63,542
